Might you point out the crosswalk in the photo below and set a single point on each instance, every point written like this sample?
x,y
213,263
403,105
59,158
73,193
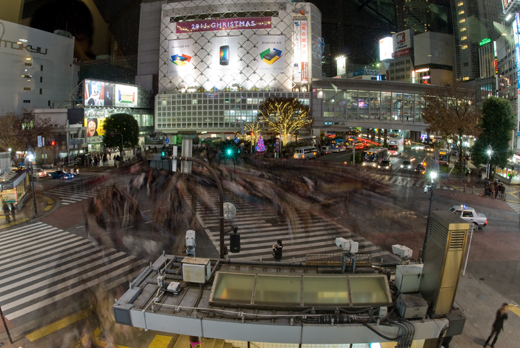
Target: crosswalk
x,y
406,181
260,227
77,192
41,266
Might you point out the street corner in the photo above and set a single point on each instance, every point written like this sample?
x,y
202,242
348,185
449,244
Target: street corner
x,y
4,224
50,203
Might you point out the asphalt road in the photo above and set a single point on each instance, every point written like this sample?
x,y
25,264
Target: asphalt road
x,y
397,218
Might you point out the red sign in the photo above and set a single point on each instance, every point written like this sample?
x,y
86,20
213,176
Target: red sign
x,y
224,24
400,53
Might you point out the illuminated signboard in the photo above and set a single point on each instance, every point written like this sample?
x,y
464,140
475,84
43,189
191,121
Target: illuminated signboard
x,y
341,63
223,24
98,93
126,96
297,62
484,41
506,4
386,48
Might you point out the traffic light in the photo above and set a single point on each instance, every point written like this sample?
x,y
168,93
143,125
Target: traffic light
x,y
53,142
229,152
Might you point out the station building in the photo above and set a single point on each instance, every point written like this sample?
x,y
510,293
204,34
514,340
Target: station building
x,y
217,60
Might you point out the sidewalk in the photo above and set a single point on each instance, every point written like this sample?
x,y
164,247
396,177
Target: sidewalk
x,y
43,205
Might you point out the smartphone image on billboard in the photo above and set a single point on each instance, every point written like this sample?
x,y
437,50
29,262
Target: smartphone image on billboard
x,y
224,55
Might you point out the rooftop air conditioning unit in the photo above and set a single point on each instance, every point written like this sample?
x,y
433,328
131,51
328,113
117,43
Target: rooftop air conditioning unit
x,y
401,250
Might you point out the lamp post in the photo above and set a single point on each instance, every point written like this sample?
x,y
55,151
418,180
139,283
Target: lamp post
x,y
30,157
433,176
112,133
489,152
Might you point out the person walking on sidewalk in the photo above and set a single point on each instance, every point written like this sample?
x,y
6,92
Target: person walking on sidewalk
x,y
7,212
498,324
13,211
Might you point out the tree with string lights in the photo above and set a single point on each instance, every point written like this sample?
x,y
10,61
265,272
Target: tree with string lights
x,y
260,147
284,116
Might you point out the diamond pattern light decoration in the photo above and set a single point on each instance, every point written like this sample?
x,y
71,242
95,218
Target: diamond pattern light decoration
x,y
201,74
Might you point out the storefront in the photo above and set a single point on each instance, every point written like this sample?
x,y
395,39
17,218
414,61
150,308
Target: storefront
x,y
511,173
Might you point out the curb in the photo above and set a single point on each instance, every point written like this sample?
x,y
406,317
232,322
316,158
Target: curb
x,y
48,207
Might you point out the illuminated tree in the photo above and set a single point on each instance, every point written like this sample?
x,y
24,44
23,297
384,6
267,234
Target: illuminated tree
x,y
284,116
260,147
254,128
453,112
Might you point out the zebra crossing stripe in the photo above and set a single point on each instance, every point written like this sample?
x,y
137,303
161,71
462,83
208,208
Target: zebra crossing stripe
x,y
46,264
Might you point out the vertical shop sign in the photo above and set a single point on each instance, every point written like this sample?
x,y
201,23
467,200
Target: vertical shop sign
x,y
304,51
297,52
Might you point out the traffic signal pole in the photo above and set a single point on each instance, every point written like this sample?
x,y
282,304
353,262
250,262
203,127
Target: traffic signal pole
x,y
220,197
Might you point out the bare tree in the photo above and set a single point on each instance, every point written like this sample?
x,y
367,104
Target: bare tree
x,y
452,111
284,116
18,132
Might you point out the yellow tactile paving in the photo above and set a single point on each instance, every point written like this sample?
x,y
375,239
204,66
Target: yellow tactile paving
x,y
160,341
60,324
514,309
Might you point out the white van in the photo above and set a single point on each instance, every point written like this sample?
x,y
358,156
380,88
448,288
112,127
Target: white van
x,y
305,152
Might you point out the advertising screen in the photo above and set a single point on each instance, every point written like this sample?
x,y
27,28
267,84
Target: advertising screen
x,y
386,48
224,54
126,96
98,93
223,24
94,126
304,48
180,53
341,65
271,54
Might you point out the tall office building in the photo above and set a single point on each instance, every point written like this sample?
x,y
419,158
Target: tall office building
x,y
423,15
473,23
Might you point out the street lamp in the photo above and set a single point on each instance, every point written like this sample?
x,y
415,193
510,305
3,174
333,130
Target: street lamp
x,y
429,188
30,158
489,152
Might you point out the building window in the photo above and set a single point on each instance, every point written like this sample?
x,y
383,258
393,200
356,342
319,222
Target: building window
x,y
463,38
26,101
464,47
466,64
41,67
40,91
28,64
41,79
463,29
463,20
27,88
460,4
461,12
466,78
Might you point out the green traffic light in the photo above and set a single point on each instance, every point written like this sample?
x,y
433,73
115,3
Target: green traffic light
x,y
229,152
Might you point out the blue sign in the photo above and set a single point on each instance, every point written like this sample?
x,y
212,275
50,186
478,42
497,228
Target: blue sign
x,y
518,134
166,141
359,72
236,140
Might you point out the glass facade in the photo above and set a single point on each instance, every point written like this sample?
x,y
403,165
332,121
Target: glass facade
x,y
369,105
210,111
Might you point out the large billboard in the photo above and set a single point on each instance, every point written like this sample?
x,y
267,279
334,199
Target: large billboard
x,y
506,4
180,53
224,54
341,65
98,93
271,54
386,48
402,43
126,96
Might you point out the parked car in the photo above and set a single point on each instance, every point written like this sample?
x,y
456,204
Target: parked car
x,y
385,165
60,174
470,215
